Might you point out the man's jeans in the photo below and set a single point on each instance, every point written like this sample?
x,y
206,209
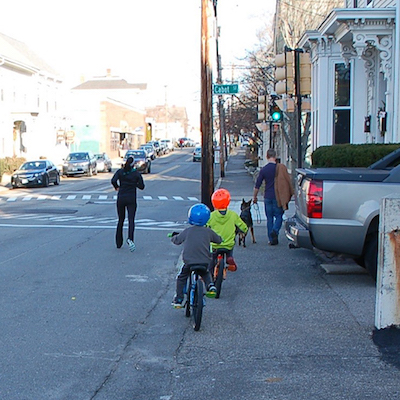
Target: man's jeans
x,y
274,216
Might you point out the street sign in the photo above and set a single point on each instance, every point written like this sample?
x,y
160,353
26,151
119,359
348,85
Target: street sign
x,y
226,89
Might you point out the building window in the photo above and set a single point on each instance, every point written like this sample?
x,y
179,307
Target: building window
x,y
342,110
342,85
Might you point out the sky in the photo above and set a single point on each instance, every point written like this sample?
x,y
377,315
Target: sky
x,y
143,41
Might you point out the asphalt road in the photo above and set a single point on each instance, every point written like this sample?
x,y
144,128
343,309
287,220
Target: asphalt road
x,y
83,320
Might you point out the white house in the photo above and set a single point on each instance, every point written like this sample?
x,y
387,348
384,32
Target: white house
x,y
355,79
31,97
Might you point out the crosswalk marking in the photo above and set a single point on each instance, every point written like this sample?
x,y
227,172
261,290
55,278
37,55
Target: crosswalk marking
x,y
99,197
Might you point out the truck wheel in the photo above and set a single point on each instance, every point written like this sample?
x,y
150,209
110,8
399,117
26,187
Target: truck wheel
x,y
371,254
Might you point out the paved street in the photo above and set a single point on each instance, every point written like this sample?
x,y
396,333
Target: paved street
x,y
83,320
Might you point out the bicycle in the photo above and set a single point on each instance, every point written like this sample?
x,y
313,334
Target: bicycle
x,y
220,270
195,295
195,292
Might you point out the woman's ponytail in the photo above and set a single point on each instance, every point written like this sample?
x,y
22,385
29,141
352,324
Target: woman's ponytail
x,y
129,164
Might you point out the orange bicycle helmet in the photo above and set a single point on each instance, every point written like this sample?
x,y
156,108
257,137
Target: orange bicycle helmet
x,y
220,199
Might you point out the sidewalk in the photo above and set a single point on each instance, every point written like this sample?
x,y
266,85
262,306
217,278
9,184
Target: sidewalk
x,y
310,329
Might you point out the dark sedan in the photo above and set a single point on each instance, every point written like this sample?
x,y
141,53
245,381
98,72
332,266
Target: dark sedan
x,y
142,162
35,173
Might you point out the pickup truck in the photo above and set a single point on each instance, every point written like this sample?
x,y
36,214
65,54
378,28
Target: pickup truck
x,y
337,209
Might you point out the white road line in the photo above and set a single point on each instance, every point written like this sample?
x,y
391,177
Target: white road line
x,y
193,198
11,199
147,198
57,197
27,198
102,197
152,228
177,197
86,197
162,198
71,197
42,197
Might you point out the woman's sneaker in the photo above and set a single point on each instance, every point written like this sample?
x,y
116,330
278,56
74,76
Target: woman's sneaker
x,y
131,245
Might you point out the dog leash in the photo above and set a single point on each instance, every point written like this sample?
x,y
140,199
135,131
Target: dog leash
x,y
257,210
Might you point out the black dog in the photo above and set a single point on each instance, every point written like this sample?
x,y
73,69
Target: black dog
x,y
245,215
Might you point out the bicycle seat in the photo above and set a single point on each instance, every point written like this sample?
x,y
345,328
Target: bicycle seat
x,y
221,251
198,268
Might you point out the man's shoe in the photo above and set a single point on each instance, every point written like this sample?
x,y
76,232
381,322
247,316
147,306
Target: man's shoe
x,y
177,303
211,292
231,264
131,245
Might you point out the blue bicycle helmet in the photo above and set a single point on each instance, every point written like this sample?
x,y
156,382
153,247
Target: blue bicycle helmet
x,y
199,214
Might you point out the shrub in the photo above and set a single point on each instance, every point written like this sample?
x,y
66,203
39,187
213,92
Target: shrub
x,y
9,164
350,155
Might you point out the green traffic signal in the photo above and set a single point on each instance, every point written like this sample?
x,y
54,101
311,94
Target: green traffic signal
x,y
276,115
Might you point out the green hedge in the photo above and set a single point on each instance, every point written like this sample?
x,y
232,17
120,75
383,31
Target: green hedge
x,y
9,164
350,155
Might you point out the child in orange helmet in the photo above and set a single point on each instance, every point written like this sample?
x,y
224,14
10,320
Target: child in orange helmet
x,y
225,222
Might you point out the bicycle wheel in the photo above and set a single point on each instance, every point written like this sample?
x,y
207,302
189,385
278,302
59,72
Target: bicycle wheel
x,y
220,277
197,310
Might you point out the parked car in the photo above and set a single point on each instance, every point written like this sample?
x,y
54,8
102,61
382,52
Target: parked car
x,y
35,173
149,150
337,209
80,163
156,147
197,154
104,163
141,160
167,143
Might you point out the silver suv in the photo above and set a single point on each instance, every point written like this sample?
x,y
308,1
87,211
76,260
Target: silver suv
x,y
80,163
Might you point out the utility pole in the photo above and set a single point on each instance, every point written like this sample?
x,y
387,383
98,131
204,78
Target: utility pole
x,y
207,159
221,111
166,113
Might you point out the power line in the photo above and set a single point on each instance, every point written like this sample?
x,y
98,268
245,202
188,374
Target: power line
x,y
303,10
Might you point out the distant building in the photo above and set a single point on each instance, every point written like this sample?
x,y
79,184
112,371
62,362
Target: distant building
x,y
106,116
168,122
31,102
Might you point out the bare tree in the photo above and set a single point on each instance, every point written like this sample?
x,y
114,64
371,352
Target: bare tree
x,y
294,17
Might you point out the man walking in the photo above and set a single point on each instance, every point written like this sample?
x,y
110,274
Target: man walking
x,y
278,192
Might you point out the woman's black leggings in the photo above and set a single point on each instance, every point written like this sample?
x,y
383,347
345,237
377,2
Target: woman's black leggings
x,y
131,207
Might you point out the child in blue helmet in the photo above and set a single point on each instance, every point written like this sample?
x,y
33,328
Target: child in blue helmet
x,y
196,241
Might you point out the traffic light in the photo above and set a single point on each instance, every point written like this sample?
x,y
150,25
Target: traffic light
x,y
284,73
262,108
305,73
276,113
